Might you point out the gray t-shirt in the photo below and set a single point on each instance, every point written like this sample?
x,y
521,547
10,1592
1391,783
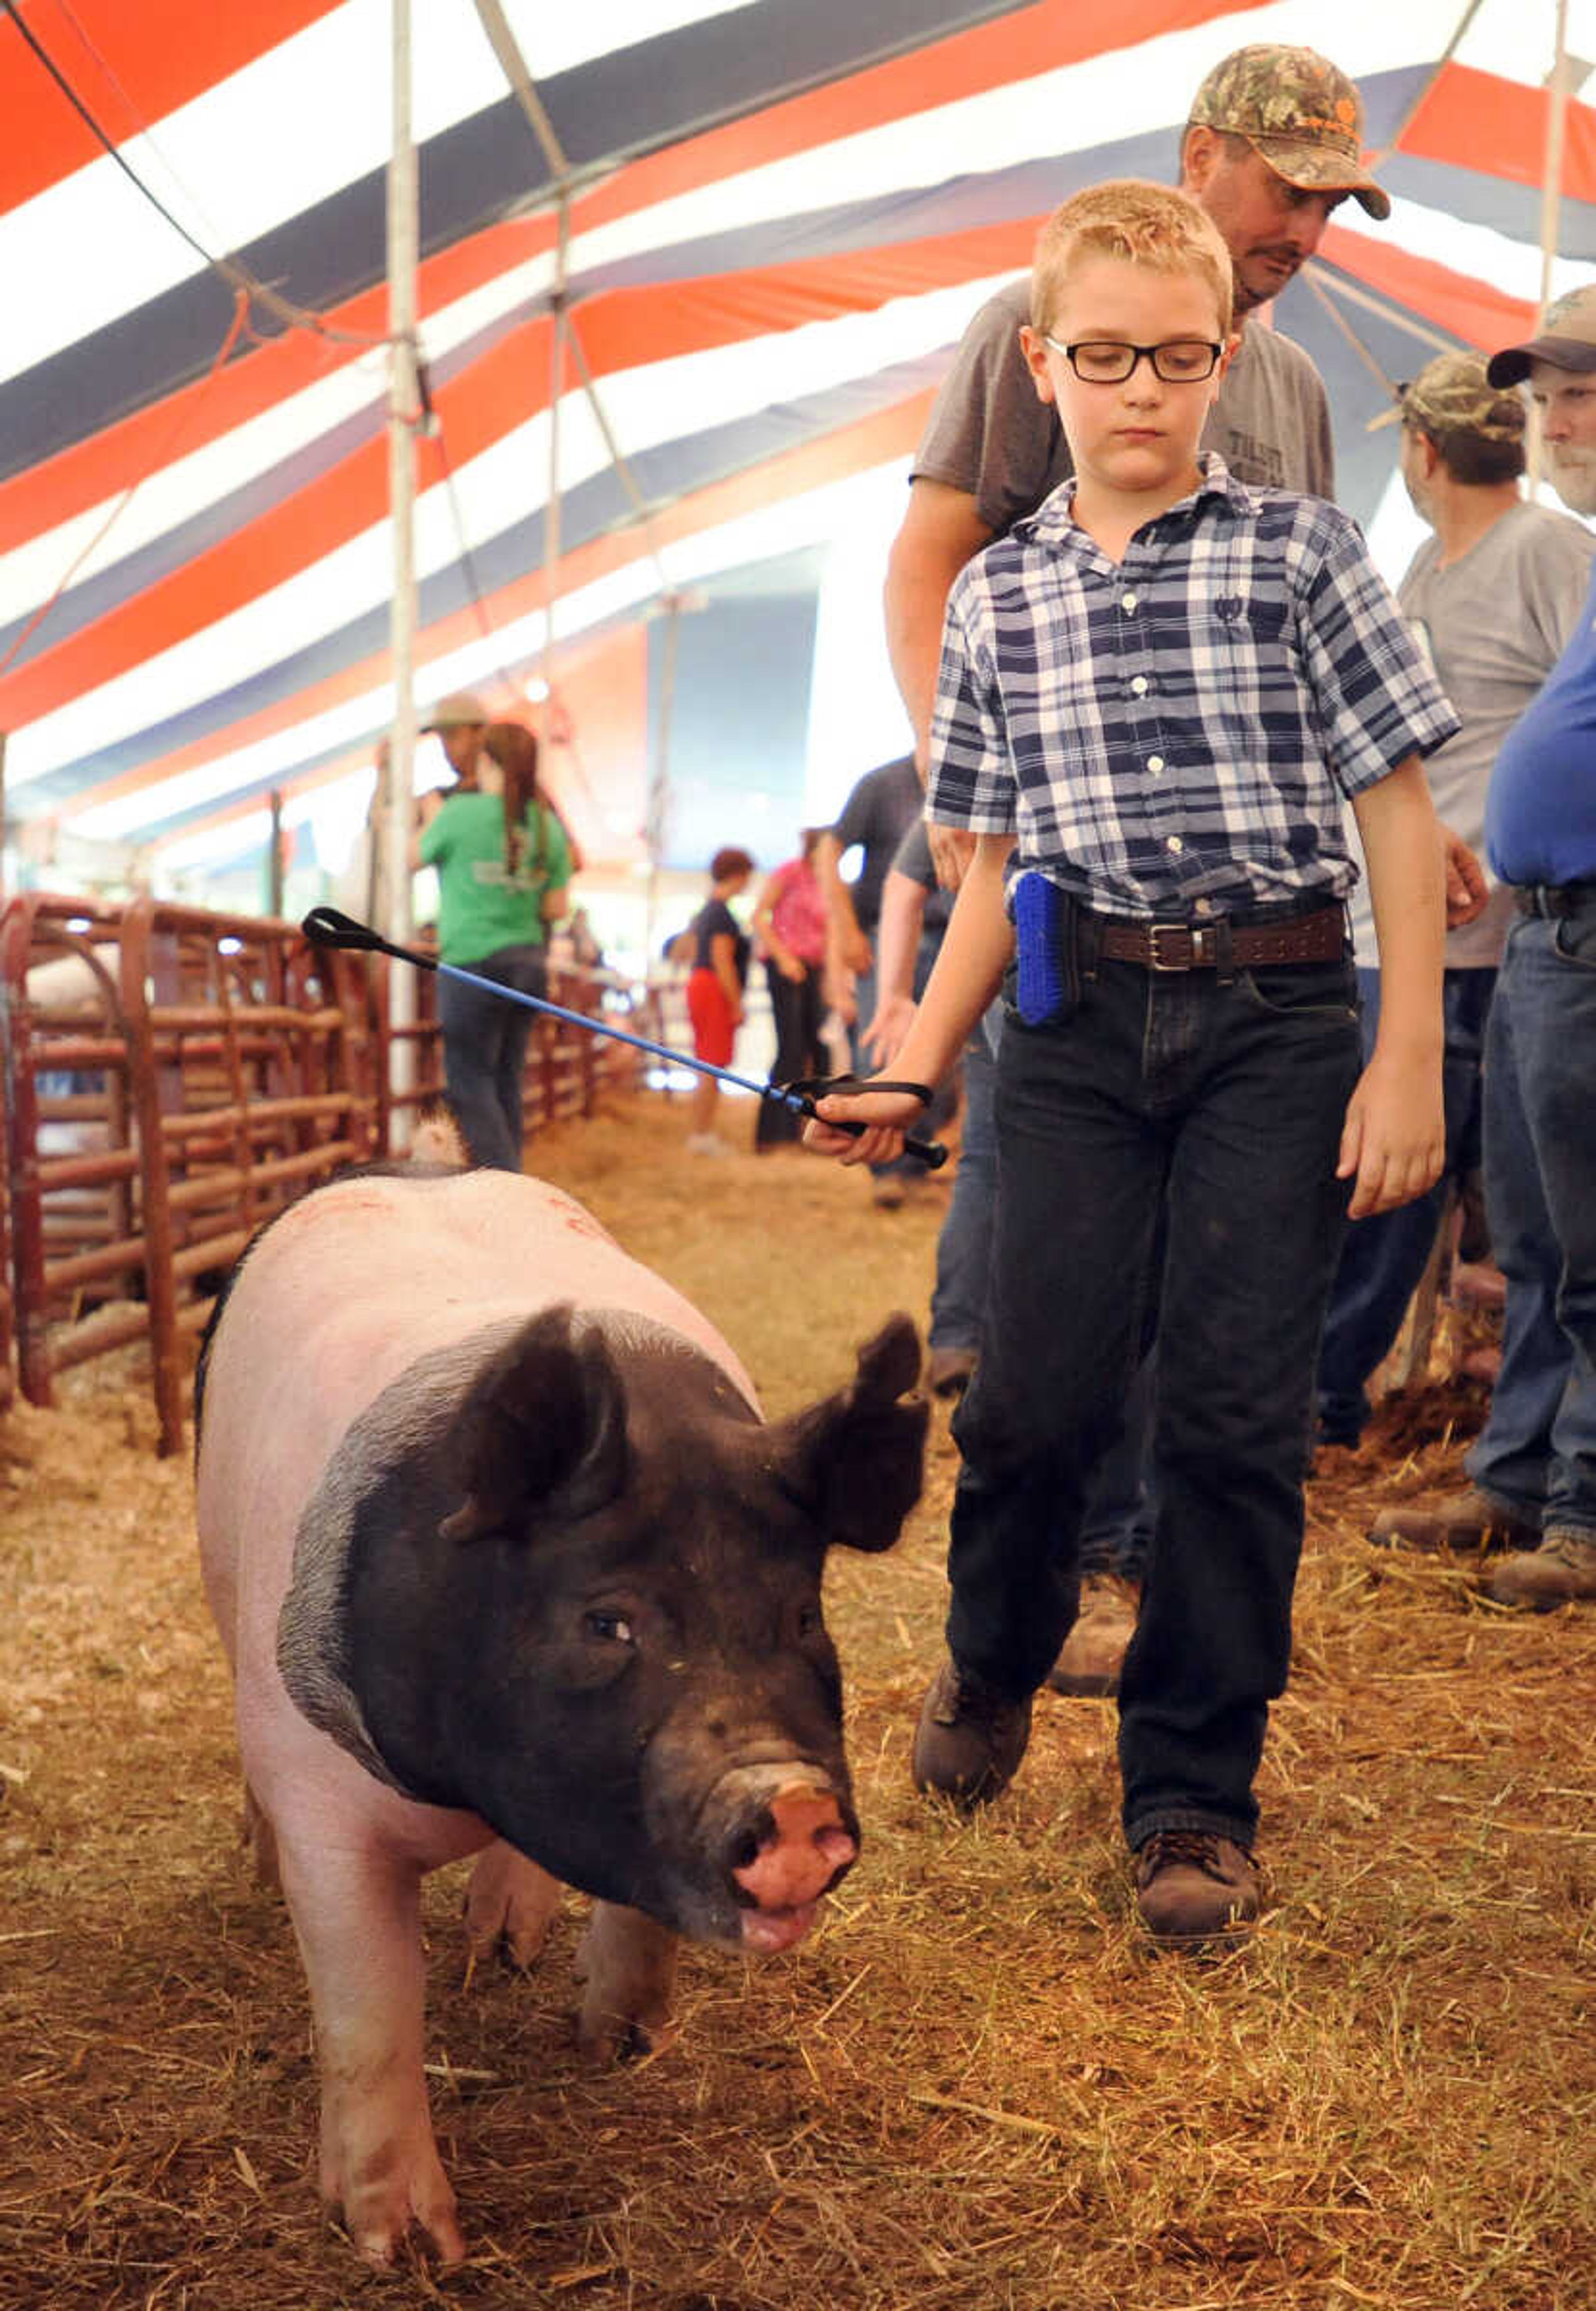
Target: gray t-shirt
x,y
1494,625
987,433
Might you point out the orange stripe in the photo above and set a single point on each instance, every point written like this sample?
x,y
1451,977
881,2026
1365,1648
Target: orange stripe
x,y
874,440
1475,120
160,54
1470,310
502,390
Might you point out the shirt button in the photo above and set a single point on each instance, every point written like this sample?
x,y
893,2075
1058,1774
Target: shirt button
x,y
1138,684
1175,843
1127,601
1155,764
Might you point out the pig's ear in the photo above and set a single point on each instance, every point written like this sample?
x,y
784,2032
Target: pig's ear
x,y
858,1456
542,1427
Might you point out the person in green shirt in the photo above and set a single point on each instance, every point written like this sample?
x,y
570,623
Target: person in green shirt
x,y
503,862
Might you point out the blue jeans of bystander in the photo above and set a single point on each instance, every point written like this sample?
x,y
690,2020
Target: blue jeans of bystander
x,y
1537,1454
484,1051
1384,1258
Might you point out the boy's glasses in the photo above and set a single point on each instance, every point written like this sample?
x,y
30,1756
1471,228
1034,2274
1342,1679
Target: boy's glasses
x,y
1178,361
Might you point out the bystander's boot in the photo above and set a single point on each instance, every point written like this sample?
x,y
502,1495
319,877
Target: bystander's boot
x,y
1088,1662
1468,1521
1561,1572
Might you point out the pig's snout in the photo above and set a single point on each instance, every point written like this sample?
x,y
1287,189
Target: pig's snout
x,y
784,1857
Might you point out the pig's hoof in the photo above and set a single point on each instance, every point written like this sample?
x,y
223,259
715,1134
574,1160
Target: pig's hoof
x,y
379,2227
605,2037
509,1903
628,1964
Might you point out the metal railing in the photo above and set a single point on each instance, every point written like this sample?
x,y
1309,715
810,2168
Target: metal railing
x,y
173,1078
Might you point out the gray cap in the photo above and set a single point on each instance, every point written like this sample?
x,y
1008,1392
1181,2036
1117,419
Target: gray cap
x,y
1566,339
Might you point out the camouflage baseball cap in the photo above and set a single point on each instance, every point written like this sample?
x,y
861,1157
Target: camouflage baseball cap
x,y
1566,338
1294,108
1452,394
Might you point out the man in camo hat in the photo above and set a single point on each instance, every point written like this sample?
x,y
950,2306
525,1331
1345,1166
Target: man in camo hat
x,y
1272,146
1494,593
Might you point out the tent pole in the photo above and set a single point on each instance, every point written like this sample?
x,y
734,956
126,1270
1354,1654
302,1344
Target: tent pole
x,y
551,519
404,400
1551,191
1556,127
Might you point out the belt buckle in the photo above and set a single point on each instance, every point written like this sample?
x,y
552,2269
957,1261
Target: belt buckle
x,y
1157,935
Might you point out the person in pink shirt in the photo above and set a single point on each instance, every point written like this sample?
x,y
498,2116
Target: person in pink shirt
x,y
789,922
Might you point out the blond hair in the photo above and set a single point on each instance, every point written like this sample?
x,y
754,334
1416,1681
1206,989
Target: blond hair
x,y
1151,225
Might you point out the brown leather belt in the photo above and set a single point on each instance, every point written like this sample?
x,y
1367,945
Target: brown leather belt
x,y
1318,937
1553,900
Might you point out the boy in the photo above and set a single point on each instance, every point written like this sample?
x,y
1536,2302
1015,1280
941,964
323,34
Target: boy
x,y
1154,693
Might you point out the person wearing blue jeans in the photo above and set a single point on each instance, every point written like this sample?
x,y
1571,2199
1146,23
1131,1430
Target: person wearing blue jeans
x,y
1537,1452
1383,1257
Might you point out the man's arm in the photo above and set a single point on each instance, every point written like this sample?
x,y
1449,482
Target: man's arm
x,y
846,944
940,531
897,944
1395,1134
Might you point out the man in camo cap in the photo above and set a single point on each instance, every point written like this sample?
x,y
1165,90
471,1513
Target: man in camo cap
x,y
1495,592
1270,148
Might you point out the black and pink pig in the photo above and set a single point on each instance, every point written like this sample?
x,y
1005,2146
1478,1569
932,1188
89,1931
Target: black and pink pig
x,y
506,1562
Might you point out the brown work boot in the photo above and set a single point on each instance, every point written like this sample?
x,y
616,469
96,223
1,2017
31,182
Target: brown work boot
x,y
1467,1521
1088,1662
1561,1572
970,1739
1193,1887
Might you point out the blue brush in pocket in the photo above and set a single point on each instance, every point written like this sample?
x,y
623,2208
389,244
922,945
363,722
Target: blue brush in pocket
x,y
1044,932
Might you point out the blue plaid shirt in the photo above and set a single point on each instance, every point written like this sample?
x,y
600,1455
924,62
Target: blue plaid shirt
x,y
1173,735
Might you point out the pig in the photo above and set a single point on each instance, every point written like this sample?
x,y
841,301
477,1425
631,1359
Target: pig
x,y
506,1562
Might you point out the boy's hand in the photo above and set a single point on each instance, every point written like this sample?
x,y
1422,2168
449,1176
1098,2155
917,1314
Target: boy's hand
x,y
1394,1138
888,1113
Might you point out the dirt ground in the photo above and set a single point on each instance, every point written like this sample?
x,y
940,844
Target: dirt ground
x,y
975,2085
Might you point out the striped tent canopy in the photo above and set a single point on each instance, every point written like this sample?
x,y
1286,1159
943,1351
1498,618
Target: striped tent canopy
x,y
779,216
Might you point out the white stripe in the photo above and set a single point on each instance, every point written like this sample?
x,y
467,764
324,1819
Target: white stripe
x,y
291,129
767,531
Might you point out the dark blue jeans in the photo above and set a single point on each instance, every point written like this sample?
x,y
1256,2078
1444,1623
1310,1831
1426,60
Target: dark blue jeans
x,y
1220,1108
1117,1528
1537,1454
1383,1257
485,1052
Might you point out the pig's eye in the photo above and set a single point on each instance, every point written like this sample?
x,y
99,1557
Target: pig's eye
x,y
614,1628
809,1620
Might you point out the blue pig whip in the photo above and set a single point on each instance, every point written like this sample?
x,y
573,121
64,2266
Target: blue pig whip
x,y
327,927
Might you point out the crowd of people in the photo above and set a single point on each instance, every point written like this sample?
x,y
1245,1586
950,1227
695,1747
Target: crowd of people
x,y
1256,909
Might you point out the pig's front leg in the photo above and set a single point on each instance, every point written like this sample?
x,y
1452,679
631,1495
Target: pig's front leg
x,y
629,1964
509,1903
356,1911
